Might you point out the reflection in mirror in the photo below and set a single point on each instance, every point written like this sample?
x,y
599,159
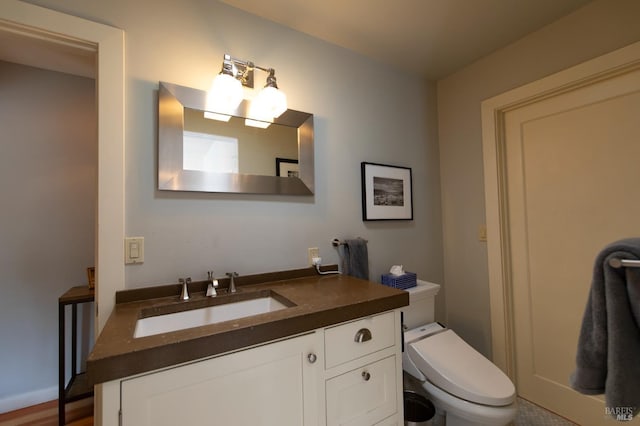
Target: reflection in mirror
x,y
200,154
232,147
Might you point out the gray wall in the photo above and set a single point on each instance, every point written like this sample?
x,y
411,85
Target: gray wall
x,y
598,28
364,111
48,164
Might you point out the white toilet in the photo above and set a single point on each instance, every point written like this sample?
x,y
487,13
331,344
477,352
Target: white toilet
x,y
465,387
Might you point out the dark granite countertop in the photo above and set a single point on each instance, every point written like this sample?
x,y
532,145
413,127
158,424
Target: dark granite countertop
x,y
320,301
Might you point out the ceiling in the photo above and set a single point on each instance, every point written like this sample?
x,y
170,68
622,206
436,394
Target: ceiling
x,y
432,38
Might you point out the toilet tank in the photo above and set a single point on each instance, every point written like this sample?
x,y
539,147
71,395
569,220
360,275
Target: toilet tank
x,y
421,309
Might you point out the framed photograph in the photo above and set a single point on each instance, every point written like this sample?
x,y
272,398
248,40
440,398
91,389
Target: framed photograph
x,y
91,276
386,192
287,167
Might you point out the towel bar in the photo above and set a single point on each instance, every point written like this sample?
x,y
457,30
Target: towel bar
x,y
619,263
336,242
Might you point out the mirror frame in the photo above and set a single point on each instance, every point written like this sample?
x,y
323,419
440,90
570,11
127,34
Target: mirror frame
x,y
173,99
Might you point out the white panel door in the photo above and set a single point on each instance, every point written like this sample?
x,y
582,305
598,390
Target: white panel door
x,y
573,186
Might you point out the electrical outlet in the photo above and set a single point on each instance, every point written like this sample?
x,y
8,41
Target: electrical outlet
x,y
311,253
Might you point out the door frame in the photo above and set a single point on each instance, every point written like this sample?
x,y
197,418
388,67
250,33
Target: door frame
x,y
38,22
494,109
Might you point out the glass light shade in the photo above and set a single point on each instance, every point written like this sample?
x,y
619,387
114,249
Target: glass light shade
x,y
258,115
225,94
271,102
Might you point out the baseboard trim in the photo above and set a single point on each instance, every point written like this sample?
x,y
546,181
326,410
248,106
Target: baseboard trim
x,y
16,402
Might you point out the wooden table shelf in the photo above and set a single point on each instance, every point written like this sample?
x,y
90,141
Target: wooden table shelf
x,y
78,386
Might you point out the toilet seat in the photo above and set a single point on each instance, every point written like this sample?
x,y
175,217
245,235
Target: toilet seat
x,y
454,366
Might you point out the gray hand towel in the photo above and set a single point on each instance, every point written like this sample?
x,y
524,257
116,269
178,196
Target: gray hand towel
x,y
355,260
608,355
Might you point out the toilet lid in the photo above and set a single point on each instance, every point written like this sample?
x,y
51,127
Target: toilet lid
x,y
454,366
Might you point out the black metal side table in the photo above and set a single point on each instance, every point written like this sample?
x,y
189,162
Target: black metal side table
x,y
78,386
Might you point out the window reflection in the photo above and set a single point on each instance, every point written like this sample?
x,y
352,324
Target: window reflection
x,y
209,153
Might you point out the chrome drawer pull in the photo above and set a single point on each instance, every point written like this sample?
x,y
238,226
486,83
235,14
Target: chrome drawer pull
x,y
363,335
366,376
312,357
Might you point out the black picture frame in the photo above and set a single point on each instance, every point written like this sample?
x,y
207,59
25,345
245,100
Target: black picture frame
x,y
387,192
287,167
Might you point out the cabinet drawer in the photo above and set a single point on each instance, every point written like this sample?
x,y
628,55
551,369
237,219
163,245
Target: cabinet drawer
x,y
358,338
363,396
391,421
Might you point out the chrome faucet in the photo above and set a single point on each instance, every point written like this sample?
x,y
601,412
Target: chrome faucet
x,y
184,294
213,284
232,284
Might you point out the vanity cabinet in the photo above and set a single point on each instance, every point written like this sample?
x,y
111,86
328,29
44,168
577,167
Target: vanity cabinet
x,y
364,372
273,384
347,374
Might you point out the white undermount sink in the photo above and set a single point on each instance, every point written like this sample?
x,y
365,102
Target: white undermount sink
x,y
175,321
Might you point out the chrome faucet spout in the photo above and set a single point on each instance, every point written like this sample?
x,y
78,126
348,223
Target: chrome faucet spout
x,y
184,294
232,284
213,284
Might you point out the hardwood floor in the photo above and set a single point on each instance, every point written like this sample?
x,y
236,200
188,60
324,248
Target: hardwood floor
x,y
78,413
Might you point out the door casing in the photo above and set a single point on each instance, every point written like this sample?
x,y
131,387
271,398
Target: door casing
x,y
38,22
494,148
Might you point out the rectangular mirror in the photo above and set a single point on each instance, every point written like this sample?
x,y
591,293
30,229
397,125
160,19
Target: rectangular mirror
x,y
196,153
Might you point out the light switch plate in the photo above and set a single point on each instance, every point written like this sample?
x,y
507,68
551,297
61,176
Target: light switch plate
x,y
133,250
482,233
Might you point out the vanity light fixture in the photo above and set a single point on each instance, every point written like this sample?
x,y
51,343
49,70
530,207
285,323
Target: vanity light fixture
x,y
269,103
225,94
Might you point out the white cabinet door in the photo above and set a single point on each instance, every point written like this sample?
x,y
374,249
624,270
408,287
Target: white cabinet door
x,y
274,384
363,396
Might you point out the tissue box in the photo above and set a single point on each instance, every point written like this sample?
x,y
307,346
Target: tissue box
x,y
403,282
